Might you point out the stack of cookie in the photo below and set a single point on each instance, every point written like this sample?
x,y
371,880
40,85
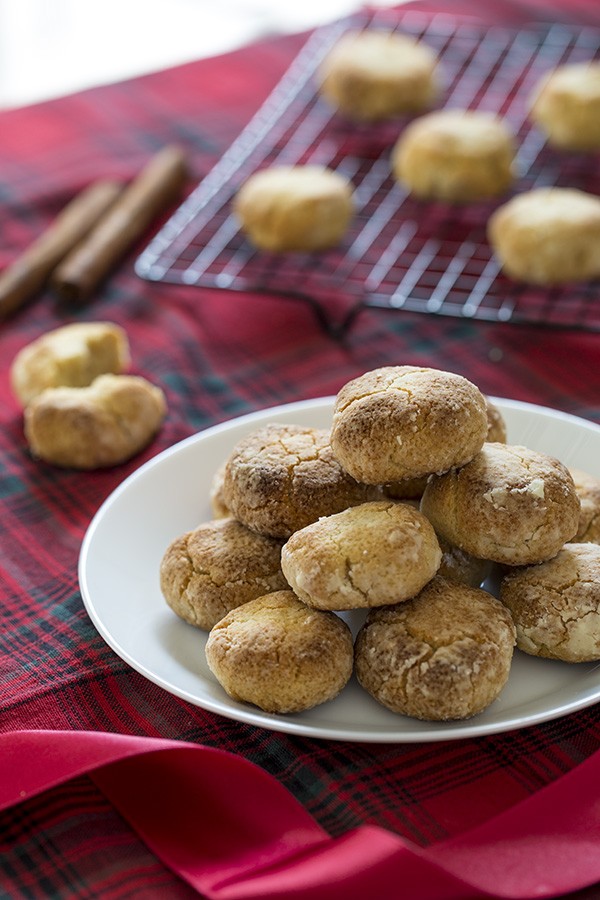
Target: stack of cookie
x,y
399,511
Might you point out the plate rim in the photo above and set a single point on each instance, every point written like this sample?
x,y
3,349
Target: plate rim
x,y
229,709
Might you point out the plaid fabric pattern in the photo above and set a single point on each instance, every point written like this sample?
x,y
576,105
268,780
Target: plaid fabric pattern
x,y
216,355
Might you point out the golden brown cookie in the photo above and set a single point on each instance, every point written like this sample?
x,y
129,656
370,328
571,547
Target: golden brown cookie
x,y
566,106
445,654
374,74
280,655
209,571
401,422
556,604
282,477
510,505
496,425
370,555
588,491
287,208
96,426
455,156
548,236
217,502
70,356
462,567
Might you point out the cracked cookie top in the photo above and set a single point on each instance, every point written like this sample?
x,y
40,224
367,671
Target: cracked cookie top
x,y
556,605
400,422
282,477
369,555
443,655
510,505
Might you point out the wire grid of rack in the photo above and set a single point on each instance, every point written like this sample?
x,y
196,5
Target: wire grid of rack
x,y
400,253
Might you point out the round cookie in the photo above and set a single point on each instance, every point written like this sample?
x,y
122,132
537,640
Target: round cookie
x,y
548,236
445,654
588,491
566,106
510,505
70,356
556,605
373,75
462,567
455,155
401,422
374,554
496,425
287,208
209,571
217,503
279,655
282,477
97,426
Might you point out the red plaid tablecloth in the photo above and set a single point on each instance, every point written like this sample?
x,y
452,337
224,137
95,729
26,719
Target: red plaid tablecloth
x,y
216,355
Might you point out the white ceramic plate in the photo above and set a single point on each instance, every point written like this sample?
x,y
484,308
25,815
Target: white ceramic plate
x,y
168,495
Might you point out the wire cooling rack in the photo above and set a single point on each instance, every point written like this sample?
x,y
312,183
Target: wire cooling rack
x,y
400,253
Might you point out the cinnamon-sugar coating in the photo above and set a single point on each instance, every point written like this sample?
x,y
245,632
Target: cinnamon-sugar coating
x,y
588,491
445,654
209,571
400,422
279,655
510,505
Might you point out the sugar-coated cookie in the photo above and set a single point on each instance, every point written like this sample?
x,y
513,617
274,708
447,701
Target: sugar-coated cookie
x,y
464,568
302,208
446,654
556,604
588,491
70,356
374,75
369,555
566,105
209,571
279,655
401,422
496,432
218,506
455,156
510,505
97,426
548,236
282,477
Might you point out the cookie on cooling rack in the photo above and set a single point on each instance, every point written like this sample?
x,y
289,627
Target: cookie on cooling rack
x,y
369,555
456,156
401,422
566,106
282,477
446,654
374,74
548,236
295,208
510,504
209,571
556,604
279,655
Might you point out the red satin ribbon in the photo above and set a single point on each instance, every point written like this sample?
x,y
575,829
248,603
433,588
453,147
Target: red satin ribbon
x,y
233,832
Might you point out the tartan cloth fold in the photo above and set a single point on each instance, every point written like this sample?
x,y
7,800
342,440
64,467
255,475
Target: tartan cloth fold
x,y
216,355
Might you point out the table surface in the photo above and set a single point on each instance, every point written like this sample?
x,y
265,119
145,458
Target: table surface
x,y
216,355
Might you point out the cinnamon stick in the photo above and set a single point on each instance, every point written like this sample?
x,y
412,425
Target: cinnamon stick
x,y
157,186
23,278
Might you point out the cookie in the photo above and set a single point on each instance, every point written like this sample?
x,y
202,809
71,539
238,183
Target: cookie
x,y
370,555
455,156
70,356
400,422
548,236
566,106
588,491
461,567
97,426
374,75
556,604
446,654
218,506
209,571
295,208
510,505
279,655
282,477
